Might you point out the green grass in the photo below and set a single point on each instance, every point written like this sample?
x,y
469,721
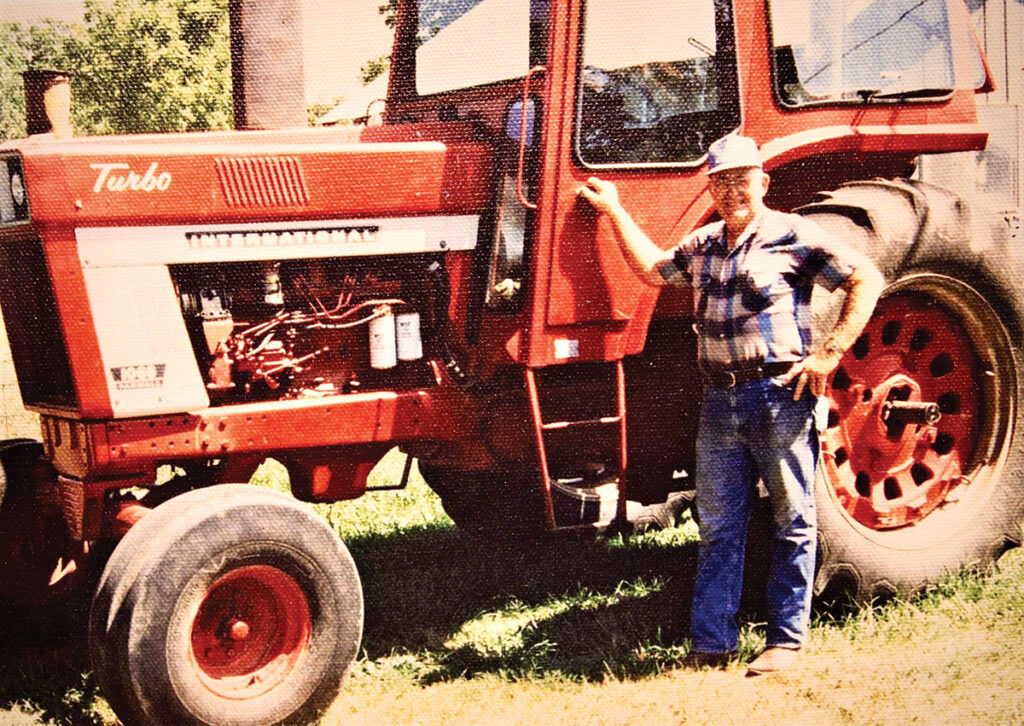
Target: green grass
x,y
574,631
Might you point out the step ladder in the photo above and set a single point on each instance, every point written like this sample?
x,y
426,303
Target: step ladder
x,y
541,428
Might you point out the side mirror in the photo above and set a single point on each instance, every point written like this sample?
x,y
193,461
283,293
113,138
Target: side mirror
x,y
514,120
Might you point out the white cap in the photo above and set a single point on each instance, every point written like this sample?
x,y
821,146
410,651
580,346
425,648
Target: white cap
x,y
733,152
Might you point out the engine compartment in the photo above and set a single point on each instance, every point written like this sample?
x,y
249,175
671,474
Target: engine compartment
x,y
296,328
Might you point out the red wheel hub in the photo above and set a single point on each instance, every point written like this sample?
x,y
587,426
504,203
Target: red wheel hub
x,y
250,632
890,473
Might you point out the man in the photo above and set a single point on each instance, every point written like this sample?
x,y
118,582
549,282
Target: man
x,y
752,274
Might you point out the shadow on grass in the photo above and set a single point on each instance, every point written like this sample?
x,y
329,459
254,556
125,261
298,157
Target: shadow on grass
x,y
576,609
568,608
44,666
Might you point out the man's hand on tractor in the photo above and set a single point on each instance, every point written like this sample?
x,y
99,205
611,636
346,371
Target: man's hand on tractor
x,y
643,256
602,195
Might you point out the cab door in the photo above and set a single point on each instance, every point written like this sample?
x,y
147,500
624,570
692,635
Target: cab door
x,y
638,94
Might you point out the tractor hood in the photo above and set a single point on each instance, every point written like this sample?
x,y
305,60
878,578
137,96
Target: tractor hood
x,y
235,176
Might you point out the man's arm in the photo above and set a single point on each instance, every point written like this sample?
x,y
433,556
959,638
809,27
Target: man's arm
x,y
645,257
862,288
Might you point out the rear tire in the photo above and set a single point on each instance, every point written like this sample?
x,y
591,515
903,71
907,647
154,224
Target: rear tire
x,y
486,505
901,507
226,605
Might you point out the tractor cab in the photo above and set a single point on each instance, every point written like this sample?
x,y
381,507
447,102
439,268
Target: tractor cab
x,y
637,92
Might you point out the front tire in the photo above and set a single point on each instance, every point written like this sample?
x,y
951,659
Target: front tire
x,y
900,505
226,605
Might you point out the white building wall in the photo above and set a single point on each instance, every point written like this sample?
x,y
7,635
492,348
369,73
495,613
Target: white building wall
x,y
1000,27
993,177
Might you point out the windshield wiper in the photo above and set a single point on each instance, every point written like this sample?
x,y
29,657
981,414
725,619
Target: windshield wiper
x,y
702,47
870,95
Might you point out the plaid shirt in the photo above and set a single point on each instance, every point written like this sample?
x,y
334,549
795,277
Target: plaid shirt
x,y
752,305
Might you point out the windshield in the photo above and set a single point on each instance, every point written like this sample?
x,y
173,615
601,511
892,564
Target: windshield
x,y
467,43
866,50
657,81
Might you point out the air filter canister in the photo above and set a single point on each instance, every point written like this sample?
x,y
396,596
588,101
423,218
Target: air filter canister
x,y
410,345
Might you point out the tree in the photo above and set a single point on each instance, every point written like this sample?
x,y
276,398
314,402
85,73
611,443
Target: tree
x,y
12,63
137,66
147,65
441,11
390,12
374,68
22,48
315,110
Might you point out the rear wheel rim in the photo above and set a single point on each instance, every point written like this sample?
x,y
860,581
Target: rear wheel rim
x,y
931,340
250,632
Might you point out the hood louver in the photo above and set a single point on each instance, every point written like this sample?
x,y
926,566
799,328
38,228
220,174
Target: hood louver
x,y
262,181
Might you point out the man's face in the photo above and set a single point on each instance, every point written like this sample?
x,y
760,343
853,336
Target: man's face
x,y
738,195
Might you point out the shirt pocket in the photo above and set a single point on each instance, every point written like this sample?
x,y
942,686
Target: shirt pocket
x,y
764,280
757,289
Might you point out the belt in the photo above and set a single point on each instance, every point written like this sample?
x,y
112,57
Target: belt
x,y
726,378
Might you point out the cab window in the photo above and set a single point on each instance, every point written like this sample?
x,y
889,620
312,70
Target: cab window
x,y
468,43
657,81
868,51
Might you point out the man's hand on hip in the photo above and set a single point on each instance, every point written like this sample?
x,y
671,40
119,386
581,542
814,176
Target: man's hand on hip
x,y
812,372
862,287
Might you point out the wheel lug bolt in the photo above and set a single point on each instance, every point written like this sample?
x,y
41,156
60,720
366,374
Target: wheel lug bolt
x,y
238,630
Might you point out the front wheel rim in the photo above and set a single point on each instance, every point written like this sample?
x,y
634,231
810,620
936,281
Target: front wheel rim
x,y
251,630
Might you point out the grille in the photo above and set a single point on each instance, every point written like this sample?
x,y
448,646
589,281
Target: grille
x,y
33,327
262,181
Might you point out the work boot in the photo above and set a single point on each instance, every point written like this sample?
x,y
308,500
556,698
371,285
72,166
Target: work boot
x,y
697,660
773,658
663,515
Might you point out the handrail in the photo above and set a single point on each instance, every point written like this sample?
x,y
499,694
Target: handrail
x,y
520,192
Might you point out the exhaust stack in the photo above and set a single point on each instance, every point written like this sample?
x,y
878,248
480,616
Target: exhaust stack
x,y
266,64
48,102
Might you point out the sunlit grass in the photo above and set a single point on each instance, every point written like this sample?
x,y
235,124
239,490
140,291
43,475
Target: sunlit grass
x,y
376,512
463,631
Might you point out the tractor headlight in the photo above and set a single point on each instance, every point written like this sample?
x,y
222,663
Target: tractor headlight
x,y
13,196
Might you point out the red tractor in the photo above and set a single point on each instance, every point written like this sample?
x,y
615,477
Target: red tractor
x,y
321,296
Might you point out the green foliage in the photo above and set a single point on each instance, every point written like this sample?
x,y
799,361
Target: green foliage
x,y
12,62
593,631
22,48
563,624
144,65
137,66
374,68
390,12
316,110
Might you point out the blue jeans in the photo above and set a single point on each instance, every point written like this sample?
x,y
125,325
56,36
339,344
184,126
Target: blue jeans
x,y
749,433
